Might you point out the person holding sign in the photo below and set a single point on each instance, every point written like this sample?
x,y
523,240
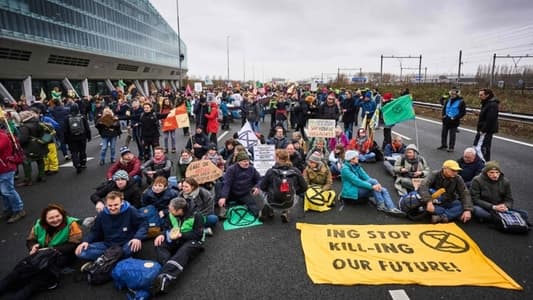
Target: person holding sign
x,y
445,196
356,184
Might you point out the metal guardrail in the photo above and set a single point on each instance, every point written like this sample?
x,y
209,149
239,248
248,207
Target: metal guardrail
x,y
503,115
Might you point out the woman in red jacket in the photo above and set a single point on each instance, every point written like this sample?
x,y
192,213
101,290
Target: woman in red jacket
x,y
212,122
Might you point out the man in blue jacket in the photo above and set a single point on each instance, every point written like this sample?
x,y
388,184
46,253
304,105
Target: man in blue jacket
x,y
118,224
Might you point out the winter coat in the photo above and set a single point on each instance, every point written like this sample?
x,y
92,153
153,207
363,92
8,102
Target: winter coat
x,y
200,139
160,201
321,176
354,178
29,133
6,151
251,111
453,112
471,170
191,226
299,112
69,138
338,139
118,229
455,189
238,182
349,115
212,120
202,200
108,127
131,192
328,111
488,116
297,181
486,192
133,167
161,169
149,123
279,143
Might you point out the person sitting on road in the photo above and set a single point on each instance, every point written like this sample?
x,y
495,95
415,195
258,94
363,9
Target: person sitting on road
x,y
295,157
282,166
320,147
317,172
302,146
120,182
118,223
241,185
491,191
158,165
229,147
279,140
181,240
357,185
58,233
129,163
392,152
198,143
410,166
214,157
471,165
339,139
158,195
233,159
185,159
336,160
445,196
363,144
202,199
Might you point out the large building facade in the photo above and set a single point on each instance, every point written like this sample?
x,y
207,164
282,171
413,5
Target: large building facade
x,y
96,41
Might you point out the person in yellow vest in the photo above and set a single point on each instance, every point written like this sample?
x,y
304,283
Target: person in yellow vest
x,y
181,240
51,243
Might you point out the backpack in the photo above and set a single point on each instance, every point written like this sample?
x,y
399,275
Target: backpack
x,y
411,204
510,222
76,125
136,275
99,271
44,259
282,189
151,215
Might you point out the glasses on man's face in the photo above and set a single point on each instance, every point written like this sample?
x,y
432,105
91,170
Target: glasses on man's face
x,y
331,98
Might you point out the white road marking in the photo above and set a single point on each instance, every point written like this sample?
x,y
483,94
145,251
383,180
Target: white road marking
x,y
222,136
403,136
398,295
70,165
473,131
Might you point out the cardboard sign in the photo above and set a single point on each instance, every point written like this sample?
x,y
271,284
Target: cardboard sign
x,y
203,171
197,87
321,128
441,255
264,158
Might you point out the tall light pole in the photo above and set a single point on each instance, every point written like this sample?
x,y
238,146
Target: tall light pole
x,y
227,54
179,45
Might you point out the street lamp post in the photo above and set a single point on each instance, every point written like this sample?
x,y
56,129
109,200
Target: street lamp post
x,y
179,46
227,54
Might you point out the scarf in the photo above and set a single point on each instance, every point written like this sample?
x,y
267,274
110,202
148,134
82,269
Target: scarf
x,y
159,161
192,195
185,161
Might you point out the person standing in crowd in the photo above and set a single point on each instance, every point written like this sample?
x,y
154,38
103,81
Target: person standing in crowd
x,y
453,110
201,109
487,123
348,115
35,150
166,107
60,114
279,140
330,109
109,129
368,107
53,231
251,111
299,113
149,122
445,196
471,165
135,114
281,112
13,205
491,191
77,134
212,122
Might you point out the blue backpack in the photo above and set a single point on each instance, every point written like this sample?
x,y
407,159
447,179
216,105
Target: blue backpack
x,y
137,276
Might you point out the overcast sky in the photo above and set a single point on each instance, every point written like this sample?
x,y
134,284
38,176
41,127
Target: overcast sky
x,y
302,39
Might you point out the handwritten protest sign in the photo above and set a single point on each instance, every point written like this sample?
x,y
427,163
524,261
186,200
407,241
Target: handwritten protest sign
x,y
424,254
203,171
321,128
264,158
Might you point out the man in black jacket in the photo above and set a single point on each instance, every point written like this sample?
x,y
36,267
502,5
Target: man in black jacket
x,y
77,138
487,124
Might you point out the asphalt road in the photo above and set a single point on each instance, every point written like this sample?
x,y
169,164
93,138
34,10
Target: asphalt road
x,y
267,262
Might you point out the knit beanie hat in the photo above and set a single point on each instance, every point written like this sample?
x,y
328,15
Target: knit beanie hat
x,y
492,165
121,174
242,156
351,154
316,157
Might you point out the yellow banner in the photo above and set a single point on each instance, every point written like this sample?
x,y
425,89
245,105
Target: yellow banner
x,y
440,255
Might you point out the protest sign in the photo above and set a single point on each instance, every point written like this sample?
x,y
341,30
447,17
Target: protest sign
x,y
321,128
197,87
264,158
203,171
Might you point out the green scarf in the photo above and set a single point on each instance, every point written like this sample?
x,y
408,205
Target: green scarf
x,y
185,226
59,237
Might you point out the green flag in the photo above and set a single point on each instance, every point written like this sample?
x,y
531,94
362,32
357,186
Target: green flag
x,y
399,110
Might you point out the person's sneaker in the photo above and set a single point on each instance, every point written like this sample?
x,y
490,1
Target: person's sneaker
x,y
85,266
208,231
450,150
78,170
442,148
285,217
222,213
439,219
24,183
173,150
396,212
160,284
16,216
381,207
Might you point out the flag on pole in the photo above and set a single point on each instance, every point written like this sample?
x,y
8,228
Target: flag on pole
x,y
399,110
42,95
247,136
188,90
374,121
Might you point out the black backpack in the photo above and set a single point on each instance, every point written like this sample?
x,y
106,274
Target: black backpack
x,y
99,271
76,125
282,189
